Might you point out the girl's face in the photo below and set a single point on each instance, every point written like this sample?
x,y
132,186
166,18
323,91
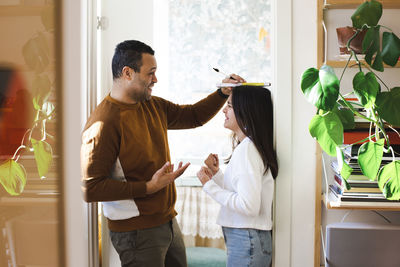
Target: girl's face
x,y
230,119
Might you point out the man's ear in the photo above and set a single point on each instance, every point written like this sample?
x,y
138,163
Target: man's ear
x,y
127,73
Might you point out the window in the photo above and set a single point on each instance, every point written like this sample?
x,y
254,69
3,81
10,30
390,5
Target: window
x,y
193,36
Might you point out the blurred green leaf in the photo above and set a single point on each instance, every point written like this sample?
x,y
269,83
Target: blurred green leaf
x,y
12,177
378,62
48,108
370,158
390,48
41,89
36,100
328,130
388,106
35,53
43,156
389,180
321,87
345,169
345,173
367,13
346,116
371,48
366,88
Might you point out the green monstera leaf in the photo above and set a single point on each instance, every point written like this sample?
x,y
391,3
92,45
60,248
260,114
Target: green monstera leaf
x,y
321,87
43,156
388,106
368,13
389,180
345,173
390,48
328,130
346,116
12,177
371,47
366,88
345,169
370,158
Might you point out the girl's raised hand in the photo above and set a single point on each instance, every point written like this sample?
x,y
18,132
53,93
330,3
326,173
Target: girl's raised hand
x,y
212,163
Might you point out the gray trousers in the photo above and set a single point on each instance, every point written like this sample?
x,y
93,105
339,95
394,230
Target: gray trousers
x,y
160,246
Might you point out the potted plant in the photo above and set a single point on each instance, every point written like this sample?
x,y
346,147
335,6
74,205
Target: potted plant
x,y
344,34
322,88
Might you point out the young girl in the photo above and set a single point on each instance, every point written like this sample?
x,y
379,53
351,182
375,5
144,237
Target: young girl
x,y
246,189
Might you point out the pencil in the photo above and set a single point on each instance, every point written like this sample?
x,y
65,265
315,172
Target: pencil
x,y
230,76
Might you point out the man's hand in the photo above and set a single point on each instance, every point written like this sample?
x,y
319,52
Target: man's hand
x,y
212,163
204,175
236,79
164,177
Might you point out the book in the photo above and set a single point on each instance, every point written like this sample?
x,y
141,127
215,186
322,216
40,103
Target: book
x,y
356,176
360,198
356,135
340,190
355,183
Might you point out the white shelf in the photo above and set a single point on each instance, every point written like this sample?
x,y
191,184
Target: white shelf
x,y
331,202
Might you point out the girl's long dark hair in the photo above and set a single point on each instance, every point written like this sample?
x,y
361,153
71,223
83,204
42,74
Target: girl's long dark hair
x,y
253,110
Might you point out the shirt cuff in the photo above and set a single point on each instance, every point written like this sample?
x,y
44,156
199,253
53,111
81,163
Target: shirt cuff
x,y
208,185
138,189
222,94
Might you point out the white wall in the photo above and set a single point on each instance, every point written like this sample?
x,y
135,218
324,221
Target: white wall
x,y
304,50
282,93
72,85
136,16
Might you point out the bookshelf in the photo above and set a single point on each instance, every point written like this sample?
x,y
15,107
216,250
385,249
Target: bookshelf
x,y
326,37
331,202
325,200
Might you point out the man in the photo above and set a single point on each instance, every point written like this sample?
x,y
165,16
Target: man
x,y
125,158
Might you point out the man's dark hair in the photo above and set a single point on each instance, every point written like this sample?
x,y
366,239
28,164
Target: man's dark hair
x,y
253,110
129,53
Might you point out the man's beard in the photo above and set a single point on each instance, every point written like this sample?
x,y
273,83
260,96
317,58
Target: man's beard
x,y
141,96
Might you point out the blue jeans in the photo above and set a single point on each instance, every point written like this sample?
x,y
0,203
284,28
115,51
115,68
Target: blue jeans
x,y
248,247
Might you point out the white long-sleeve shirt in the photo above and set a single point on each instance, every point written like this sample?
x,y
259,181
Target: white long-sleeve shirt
x,y
244,192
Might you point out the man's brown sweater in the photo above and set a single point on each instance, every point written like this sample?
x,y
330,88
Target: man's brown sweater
x,y
123,145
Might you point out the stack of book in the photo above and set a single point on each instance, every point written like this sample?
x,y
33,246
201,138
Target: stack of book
x,y
362,188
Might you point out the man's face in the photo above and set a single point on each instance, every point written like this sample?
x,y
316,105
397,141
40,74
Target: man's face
x,y
142,82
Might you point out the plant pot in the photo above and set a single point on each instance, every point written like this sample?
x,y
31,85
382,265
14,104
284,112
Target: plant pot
x,y
344,34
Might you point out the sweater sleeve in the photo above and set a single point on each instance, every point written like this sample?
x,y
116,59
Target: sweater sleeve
x,y
218,178
246,197
191,116
99,152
